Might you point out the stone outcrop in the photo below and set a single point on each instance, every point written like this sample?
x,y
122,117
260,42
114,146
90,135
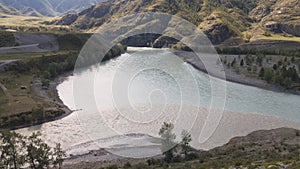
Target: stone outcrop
x,y
216,31
67,19
260,12
164,41
290,28
143,40
293,29
272,26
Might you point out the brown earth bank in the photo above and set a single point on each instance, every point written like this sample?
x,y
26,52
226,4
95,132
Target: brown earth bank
x,y
279,148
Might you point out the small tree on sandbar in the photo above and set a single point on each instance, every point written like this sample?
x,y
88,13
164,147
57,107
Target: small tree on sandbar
x,y
186,138
168,141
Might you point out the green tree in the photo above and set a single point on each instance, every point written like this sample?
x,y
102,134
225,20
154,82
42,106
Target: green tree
x,y
259,59
262,72
186,138
268,75
275,67
242,63
287,82
168,141
11,150
293,59
39,154
233,62
58,156
249,59
37,112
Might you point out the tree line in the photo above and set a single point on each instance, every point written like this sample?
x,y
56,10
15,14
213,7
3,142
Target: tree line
x,y
256,51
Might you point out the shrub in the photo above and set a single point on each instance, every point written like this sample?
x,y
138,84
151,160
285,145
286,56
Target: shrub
x,y
191,156
114,166
127,165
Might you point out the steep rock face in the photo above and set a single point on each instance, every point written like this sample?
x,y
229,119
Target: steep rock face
x,y
141,40
164,41
291,28
260,12
98,12
272,26
215,30
67,19
218,33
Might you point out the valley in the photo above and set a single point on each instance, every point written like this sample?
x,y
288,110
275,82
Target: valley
x,y
42,43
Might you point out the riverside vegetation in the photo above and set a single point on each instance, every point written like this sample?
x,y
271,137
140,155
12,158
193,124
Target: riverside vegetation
x,y
282,71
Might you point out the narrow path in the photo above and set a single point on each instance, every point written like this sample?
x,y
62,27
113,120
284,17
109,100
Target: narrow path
x,y
3,88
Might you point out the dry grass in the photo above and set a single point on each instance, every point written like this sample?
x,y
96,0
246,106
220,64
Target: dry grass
x,y
279,37
15,100
25,23
21,56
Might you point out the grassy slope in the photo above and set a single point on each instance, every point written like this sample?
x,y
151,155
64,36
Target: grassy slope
x,y
16,100
23,23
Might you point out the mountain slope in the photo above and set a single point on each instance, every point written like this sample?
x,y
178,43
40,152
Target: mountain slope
x,y
219,19
47,7
7,10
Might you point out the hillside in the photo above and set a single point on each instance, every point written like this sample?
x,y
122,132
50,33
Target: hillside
x,y
274,149
7,10
221,20
44,7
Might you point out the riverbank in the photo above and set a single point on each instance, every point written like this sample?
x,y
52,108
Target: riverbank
x,y
266,148
55,109
231,74
74,140
31,97
228,127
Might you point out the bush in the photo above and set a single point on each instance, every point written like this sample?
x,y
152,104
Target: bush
x,y
191,156
127,165
177,159
18,151
7,39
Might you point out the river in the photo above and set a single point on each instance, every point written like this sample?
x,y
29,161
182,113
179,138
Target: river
x,y
136,92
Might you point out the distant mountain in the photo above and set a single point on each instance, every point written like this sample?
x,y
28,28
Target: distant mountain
x,y
45,7
221,20
7,10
